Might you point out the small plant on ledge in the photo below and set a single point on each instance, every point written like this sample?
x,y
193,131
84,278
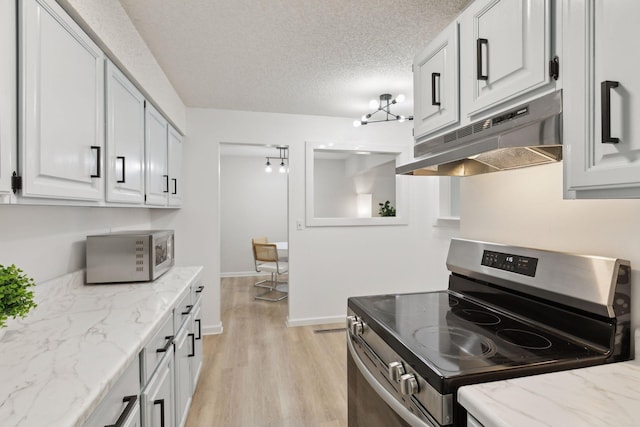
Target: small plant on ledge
x,y
15,297
386,209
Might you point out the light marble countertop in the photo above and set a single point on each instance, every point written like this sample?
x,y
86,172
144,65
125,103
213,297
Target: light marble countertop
x,y
605,395
62,359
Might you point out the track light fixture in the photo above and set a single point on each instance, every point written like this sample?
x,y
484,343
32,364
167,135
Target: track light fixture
x,y
282,156
384,105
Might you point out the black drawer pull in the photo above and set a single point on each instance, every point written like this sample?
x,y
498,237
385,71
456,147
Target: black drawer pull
x,y
175,185
161,403
193,345
123,179
166,183
167,345
434,87
479,74
605,110
189,307
200,289
98,161
130,401
199,329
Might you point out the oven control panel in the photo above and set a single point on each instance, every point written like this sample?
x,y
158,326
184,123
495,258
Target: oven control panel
x,y
510,262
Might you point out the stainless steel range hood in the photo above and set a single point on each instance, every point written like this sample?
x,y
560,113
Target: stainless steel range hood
x,y
528,135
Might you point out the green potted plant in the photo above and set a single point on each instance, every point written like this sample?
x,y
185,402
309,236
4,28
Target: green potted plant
x,y
386,209
15,297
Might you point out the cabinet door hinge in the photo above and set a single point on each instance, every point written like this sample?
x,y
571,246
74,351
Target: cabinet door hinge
x,y
554,68
16,182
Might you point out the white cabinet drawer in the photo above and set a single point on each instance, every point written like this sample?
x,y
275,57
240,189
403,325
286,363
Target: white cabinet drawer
x,y
157,347
121,404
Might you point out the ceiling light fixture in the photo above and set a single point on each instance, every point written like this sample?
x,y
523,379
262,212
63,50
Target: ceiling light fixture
x,y
282,156
384,105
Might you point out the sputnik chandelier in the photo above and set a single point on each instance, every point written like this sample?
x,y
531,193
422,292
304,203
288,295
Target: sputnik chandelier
x,y
284,166
383,105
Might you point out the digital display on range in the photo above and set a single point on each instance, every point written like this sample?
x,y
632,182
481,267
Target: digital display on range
x,y
509,262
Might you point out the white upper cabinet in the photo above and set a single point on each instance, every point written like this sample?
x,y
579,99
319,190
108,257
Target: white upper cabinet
x,y
436,80
61,104
125,139
602,98
8,123
157,167
175,168
504,50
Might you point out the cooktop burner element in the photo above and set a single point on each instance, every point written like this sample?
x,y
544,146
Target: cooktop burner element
x,y
507,312
477,316
454,342
524,339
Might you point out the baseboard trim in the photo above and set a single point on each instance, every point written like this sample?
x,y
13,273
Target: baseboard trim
x,y
212,329
310,321
243,274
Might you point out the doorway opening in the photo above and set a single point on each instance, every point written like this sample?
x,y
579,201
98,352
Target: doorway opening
x,y
254,203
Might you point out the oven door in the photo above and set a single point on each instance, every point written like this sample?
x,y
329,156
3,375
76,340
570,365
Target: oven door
x,y
370,403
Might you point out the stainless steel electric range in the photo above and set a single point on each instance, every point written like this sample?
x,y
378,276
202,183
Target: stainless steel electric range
x,y
508,312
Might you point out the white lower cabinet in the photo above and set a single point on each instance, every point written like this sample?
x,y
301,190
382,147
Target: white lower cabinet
x,y
121,407
184,352
196,360
158,397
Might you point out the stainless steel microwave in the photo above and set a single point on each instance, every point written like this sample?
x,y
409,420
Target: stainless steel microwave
x,y
129,256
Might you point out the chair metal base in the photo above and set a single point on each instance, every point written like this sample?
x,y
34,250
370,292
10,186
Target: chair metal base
x,y
280,288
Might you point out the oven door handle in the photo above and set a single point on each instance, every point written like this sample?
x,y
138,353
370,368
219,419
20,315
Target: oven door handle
x,y
389,399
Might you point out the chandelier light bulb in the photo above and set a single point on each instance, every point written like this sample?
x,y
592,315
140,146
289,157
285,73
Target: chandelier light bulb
x,y
267,167
373,104
282,169
364,118
400,98
401,119
356,123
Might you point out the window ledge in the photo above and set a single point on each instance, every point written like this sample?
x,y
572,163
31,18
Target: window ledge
x,y
448,222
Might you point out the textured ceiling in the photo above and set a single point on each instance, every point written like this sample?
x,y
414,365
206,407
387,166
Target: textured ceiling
x,y
317,57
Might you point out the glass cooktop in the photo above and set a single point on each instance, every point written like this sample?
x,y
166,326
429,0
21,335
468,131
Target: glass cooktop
x,y
455,336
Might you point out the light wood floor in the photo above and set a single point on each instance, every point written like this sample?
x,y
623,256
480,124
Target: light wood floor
x,y
261,373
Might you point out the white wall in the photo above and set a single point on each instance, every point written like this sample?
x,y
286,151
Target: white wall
x,y
333,191
327,264
525,207
49,241
253,203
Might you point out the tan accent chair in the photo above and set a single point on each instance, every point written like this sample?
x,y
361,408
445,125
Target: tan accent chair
x,y
266,256
261,283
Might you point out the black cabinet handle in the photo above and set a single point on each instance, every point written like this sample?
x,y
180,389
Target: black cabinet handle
x,y
189,307
98,160
433,88
166,183
193,345
121,181
166,346
161,403
479,44
605,110
130,401
175,185
199,337
200,289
